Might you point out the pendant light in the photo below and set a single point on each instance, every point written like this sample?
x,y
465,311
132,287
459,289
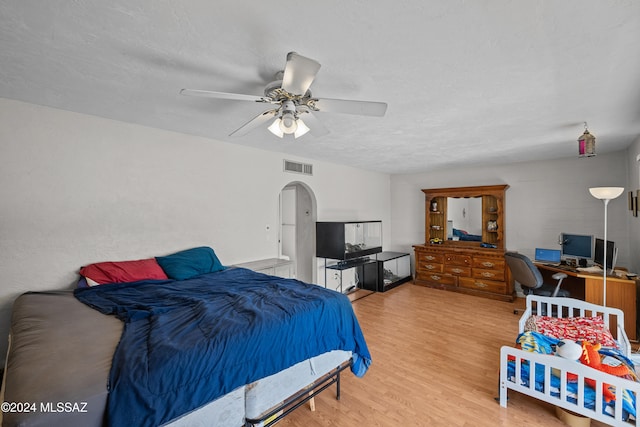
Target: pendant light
x,y
586,143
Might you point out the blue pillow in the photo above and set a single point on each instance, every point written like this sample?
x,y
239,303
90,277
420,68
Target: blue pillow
x,y
190,263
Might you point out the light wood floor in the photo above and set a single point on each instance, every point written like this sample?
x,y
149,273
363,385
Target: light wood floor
x,y
435,363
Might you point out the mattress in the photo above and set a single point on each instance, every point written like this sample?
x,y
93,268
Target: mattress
x,y
226,411
60,353
274,389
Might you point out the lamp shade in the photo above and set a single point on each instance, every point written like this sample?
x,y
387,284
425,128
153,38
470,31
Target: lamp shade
x,y
301,130
606,193
274,128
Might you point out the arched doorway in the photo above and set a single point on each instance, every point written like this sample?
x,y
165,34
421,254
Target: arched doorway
x,y
297,234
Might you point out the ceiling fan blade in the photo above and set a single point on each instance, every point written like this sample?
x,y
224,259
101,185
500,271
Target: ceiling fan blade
x,y
299,73
315,126
363,108
254,123
223,95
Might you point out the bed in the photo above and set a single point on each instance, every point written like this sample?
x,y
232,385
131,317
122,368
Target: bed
x,y
229,347
569,384
465,236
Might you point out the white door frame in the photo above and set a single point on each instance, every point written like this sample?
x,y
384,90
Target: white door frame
x,y
305,230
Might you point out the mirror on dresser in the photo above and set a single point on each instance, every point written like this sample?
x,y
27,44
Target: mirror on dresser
x,y
464,242
464,218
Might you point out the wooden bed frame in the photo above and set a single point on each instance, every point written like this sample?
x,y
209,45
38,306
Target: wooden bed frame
x,y
557,366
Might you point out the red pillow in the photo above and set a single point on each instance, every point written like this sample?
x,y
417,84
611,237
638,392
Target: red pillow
x,y
123,271
590,329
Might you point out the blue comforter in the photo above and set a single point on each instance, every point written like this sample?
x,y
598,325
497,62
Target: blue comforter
x,y
188,342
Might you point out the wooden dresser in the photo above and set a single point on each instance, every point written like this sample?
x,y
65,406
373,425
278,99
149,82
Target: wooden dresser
x,y
472,267
469,270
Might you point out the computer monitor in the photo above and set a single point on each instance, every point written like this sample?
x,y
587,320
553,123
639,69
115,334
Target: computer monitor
x,y
612,254
577,245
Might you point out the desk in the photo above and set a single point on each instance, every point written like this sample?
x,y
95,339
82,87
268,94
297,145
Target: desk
x,y
621,293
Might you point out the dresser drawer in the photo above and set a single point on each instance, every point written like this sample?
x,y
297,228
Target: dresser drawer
x,y
483,285
458,270
489,263
479,273
445,279
430,267
456,259
429,257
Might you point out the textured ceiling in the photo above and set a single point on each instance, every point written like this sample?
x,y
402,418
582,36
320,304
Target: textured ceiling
x,y
466,82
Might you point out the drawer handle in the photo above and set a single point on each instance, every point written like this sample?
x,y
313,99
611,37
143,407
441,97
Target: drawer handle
x,y
488,264
457,270
429,257
487,274
481,285
435,277
429,267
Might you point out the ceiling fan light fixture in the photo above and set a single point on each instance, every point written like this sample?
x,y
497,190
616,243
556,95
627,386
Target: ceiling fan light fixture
x,y
288,123
302,129
274,128
290,97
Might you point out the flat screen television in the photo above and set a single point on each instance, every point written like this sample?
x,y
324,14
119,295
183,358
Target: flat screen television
x,y
577,246
612,254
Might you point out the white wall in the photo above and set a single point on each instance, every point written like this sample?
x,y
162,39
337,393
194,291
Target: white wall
x,y
76,189
544,199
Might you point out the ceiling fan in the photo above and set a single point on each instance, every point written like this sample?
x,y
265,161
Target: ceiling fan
x,y
291,99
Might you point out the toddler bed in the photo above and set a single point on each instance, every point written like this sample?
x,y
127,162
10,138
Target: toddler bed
x,y
228,347
570,384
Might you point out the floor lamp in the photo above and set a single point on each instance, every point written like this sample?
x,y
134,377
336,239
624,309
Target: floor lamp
x,y
605,194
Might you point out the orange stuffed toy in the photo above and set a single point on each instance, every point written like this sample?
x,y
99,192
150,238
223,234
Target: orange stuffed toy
x,y
591,357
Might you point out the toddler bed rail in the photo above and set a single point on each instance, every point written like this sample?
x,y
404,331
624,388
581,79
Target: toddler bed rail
x,y
548,381
566,383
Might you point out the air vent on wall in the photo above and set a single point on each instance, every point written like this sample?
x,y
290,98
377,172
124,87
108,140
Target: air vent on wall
x,y
297,167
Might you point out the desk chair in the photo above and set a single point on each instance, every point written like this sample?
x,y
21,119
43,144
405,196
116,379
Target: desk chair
x,y
529,277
